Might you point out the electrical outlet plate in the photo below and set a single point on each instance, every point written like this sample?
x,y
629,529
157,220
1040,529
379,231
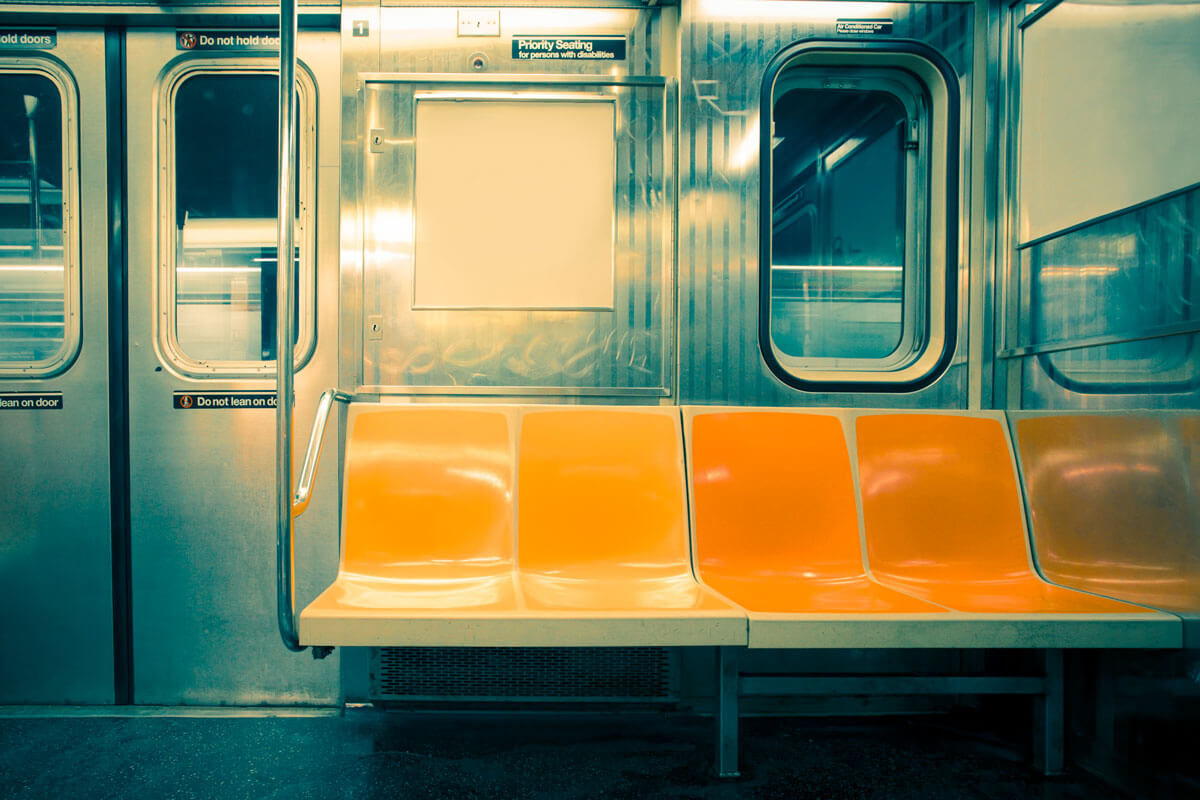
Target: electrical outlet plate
x,y
479,22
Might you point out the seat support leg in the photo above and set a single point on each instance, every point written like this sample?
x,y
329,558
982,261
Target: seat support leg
x,y
1049,719
727,712
1106,706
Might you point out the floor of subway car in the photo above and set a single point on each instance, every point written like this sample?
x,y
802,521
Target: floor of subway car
x,y
373,754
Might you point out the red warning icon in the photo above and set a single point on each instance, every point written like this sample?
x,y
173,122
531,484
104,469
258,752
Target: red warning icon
x,y
187,40
186,401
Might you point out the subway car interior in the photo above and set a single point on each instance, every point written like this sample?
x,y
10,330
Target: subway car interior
x,y
686,398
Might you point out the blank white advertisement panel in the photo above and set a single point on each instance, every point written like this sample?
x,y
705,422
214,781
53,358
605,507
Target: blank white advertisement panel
x,y
1110,104
514,203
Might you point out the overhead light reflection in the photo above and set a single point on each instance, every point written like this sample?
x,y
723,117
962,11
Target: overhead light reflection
x,y
782,9
834,268
747,150
561,21
1058,272
392,226
500,96
31,267
219,269
843,150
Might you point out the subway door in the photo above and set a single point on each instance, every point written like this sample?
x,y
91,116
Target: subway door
x,y
203,158
55,514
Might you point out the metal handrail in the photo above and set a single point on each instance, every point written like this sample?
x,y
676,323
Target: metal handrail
x,y
312,456
285,582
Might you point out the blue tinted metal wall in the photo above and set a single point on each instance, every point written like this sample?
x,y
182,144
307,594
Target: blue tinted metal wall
x,y
55,551
1101,306
726,47
1121,300
203,524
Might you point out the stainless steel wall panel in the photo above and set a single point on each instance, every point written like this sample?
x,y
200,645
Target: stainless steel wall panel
x,y
55,546
983,182
1041,384
1109,313
1098,303
626,351
1006,308
423,39
203,543
360,54
726,46
1119,277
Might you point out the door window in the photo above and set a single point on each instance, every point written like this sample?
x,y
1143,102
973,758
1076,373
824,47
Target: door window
x,y
39,331
220,272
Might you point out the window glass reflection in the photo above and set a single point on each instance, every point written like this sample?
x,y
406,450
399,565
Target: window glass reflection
x,y
1131,276
32,266
838,223
226,167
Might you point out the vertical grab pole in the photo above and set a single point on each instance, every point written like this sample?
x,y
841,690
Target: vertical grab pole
x,y
285,281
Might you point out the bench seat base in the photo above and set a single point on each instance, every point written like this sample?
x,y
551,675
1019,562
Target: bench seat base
x,y
357,613
951,629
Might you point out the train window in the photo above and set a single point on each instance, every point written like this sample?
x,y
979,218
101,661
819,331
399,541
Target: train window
x,y
854,173
840,216
1115,302
217,290
39,331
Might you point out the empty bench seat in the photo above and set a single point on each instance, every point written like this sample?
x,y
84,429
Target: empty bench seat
x,y
1114,503
427,528
516,526
943,518
777,532
941,558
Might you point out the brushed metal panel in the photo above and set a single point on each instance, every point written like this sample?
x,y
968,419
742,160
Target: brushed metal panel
x,y
726,46
628,350
1117,277
991,631
1111,311
987,109
426,40
1040,388
360,53
1100,315
55,546
203,535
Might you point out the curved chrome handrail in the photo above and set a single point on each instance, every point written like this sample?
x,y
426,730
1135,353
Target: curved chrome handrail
x,y
312,456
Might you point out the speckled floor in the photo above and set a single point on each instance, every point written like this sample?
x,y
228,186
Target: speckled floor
x,y
371,754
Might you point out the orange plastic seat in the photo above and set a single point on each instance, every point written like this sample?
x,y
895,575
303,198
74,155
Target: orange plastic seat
x,y
599,554
603,528
1113,505
427,533
776,524
943,520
